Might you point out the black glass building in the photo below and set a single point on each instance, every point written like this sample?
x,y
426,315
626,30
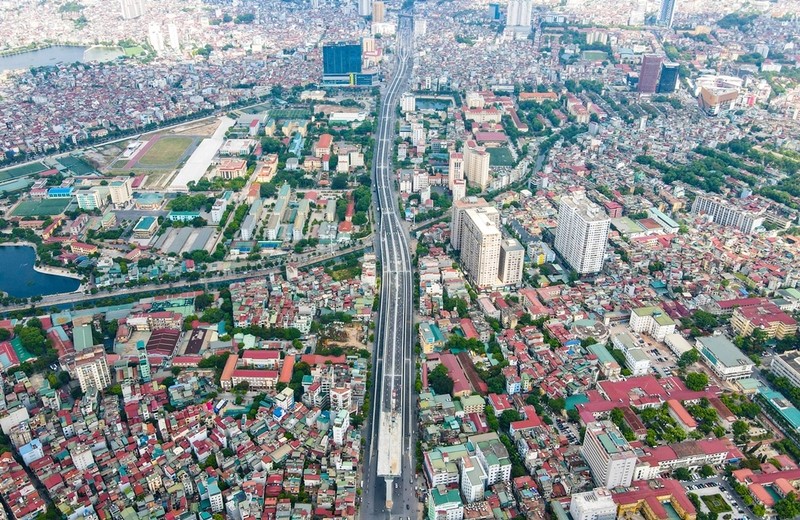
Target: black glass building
x,y
668,81
341,58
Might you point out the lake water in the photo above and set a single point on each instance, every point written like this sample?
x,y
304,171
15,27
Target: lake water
x,y
56,55
18,278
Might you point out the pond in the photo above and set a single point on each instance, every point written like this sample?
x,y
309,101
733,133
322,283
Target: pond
x,y
55,55
19,279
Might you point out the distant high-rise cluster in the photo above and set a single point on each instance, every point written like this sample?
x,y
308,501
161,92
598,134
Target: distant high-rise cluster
x,y
131,9
667,14
582,233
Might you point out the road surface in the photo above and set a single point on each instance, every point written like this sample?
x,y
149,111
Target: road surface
x,y
389,467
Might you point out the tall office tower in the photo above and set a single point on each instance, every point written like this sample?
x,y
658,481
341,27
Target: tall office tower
x,y
610,457
91,368
460,206
364,7
155,38
174,39
476,165
512,260
131,9
582,233
408,103
378,11
667,14
459,189
455,169
341,63
480,246
368,44
519,13
668,82
649,73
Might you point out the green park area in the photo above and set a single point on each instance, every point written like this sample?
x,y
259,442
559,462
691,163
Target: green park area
x,y
716,504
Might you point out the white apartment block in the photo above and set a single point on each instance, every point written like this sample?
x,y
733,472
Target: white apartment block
x,y
653,321
744,218
480,247
459,189
460,206
121,191
610,457
455,169
493,456
473,480
512,261
787,365
91,369
636,360
341,423
476,165
582,233
593,505
519,13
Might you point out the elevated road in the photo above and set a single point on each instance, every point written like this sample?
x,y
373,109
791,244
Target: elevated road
x,y
389,461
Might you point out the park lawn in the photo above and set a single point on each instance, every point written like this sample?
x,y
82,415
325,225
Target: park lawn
x,y
500,157
715,503
41,208
133,51
167,151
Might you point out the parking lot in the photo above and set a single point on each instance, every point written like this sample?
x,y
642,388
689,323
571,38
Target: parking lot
x,y
715,488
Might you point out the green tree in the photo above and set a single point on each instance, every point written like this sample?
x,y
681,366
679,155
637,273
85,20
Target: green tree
x,y
696,381
707,471
788,507
508,417
440,380
682,474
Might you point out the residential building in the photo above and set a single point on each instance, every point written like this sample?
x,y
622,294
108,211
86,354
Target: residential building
x,y
378,11
444,504
512,261
145,228
341,424
519,13
744,218
91,369
787,365
473,480
493,457
455,169
724,358
476,165
610,457
131,9
593,505
652,321
90,198
636,360
460,206
480,251
582,233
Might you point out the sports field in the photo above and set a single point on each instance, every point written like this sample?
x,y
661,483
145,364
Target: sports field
x,y
43,208
22,171
289,113
500,157
76,165
165,153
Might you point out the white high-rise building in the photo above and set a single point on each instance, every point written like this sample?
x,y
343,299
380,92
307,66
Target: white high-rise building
x,y
667,15
459,189
480,246
408,103
460,206
91,369
476,165
341,423
174,39
519,13
593,505
582,233
455,169
610,457
120,191
512,261
364,7
155,37
131,9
